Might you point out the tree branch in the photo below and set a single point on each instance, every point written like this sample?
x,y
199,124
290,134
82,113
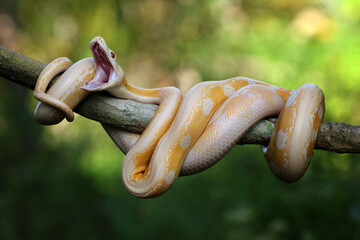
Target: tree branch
x,y
335,137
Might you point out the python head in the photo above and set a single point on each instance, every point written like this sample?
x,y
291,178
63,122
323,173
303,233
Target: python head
x,y
109,74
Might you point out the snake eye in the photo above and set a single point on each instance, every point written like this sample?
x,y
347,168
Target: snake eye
x,y
112,55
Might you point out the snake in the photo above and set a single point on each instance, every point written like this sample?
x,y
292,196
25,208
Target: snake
x,y
189,133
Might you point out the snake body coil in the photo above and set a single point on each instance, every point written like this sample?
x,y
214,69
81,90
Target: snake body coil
x,y
187,135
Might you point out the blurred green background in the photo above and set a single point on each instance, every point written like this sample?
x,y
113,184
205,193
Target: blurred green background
x,y
63,182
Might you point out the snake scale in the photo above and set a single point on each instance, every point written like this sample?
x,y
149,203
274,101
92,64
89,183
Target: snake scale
x,y
187,134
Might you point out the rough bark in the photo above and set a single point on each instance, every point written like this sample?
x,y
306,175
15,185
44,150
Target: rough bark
x,y
335,137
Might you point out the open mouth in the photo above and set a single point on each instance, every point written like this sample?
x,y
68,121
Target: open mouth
x,y
104,69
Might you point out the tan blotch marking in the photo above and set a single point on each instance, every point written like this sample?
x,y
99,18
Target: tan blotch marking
x,y
228,89
292,98
313,135
285,161
169,177
305,152
207,106
185,142
320,111
281,140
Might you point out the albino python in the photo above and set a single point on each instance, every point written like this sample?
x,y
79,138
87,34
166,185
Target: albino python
x,y
186,135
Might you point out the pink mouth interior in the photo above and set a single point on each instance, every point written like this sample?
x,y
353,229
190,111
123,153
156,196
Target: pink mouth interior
x,y
104,70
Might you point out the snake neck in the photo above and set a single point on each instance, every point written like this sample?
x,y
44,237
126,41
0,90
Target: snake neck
x,y
131,92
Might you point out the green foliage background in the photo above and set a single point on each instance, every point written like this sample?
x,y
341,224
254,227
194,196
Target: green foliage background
x,y
63,182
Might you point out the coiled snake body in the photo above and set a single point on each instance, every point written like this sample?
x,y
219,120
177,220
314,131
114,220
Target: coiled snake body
x,y
187,135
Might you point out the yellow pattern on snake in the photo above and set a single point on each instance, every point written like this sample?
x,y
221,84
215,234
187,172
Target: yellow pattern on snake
x,y
187,135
